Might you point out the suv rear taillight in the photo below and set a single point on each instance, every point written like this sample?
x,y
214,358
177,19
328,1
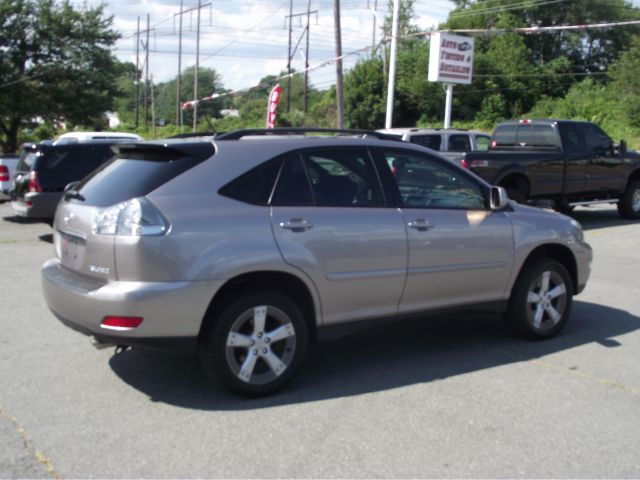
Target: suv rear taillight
x,y
34,184
464,163
4,173
132,218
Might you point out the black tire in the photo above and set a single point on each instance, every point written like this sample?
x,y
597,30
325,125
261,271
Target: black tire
x,y
541,300
563,207
258,364
629,202
516,194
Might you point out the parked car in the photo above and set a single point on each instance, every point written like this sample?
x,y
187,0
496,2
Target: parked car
x,y
246,251
452,143
570,162
7,169
44,170
77,137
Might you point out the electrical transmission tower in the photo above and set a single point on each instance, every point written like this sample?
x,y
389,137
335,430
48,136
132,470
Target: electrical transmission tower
x,y
305,34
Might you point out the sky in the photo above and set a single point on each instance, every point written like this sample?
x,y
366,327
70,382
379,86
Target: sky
x,y
246,40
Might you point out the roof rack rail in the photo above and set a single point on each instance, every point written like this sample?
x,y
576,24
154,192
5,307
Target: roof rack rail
x,y
238,134
191,135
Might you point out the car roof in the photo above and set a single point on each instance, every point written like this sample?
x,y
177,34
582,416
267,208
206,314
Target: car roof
x,y
73,137
403,130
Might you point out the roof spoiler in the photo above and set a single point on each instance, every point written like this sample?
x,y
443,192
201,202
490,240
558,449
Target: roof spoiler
x,y
164,151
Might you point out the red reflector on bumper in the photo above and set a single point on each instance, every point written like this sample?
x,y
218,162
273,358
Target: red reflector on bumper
x,y
121,323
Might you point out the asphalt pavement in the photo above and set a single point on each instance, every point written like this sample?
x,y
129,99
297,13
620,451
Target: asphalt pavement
x,y
453,396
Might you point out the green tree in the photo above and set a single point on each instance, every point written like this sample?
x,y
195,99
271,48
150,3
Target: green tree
x,y
56,64
625,84
209,83
365,98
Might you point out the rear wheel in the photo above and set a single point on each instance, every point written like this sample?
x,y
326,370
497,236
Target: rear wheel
x,y
257,344
629,203
540,302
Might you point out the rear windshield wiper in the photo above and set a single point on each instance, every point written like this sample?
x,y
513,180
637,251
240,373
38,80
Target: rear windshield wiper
x,y
69,194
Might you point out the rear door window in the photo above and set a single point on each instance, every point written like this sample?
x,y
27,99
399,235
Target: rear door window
x,y
429,141
329,177
482,143
459,143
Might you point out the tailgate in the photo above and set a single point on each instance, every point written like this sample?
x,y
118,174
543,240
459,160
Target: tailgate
x,y
78,248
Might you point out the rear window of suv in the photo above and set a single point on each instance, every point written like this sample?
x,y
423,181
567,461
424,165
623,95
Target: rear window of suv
x,y
133,175
57,166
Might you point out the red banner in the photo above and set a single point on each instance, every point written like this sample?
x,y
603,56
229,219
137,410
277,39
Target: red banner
x,y
274,99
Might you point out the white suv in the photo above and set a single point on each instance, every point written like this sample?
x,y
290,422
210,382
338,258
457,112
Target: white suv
x,y
452,143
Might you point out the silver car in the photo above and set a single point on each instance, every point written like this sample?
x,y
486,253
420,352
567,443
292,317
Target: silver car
x,y
246,249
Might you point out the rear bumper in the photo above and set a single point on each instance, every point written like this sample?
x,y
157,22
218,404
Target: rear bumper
x,y
37,205
172,311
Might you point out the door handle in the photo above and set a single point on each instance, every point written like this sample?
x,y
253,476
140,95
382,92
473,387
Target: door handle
x,y
296,225
421,225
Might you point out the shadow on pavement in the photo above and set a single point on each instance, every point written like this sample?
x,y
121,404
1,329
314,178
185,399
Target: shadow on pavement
x,y
17,219
48,238
593,218
378,359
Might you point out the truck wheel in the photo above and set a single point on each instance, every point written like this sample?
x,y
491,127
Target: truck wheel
x,y
541,300
256,345
563,207
517,188
629,202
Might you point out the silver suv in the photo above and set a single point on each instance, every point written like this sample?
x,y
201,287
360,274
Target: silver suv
x,y
247,248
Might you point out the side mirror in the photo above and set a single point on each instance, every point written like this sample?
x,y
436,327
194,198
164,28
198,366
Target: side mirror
x,y
622,148
499,199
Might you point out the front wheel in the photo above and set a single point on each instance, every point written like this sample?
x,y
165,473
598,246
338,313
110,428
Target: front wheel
x,y
629,202
541,300
256,345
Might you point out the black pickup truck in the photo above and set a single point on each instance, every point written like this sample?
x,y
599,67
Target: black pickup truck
x,y
570,162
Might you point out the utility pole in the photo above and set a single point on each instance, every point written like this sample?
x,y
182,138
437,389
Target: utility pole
x,y
305,55
137,74
153,108
339,84
146,80
289,58
392,64
375,17
195,78
306,62
179,69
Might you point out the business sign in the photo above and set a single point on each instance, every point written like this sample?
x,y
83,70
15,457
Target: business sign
x,y
450,58
274,99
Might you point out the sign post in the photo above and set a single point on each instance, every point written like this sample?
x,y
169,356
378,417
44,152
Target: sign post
x,y
450,62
